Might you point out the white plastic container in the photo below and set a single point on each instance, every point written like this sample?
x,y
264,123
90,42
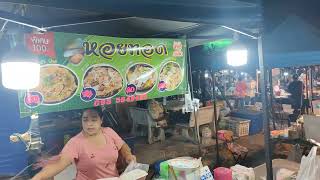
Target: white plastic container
x,y
184,169
311,127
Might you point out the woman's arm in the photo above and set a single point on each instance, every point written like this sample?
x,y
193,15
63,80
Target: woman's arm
x,y
125,151
53,169
122,147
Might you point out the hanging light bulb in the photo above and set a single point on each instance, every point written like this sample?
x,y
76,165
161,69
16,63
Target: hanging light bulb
x,y
237,54
20,69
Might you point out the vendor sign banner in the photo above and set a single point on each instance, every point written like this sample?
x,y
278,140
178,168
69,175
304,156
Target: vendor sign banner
x,y
81,71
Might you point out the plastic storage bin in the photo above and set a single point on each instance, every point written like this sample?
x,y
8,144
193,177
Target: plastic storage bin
x,y
256,121
240,127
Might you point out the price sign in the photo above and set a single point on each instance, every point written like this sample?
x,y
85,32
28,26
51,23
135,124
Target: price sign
x,y
131,89
33,99
41,44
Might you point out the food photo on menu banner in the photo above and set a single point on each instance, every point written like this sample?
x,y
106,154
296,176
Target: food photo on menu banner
x,y
171,75
142,76
57,83
104,79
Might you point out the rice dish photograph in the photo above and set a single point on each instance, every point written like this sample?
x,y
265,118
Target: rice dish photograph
x,y
143,76
57,84
171,74
105,79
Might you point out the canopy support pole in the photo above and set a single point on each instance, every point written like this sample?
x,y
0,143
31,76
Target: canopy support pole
x,y
311,88
271,98
192,96
216,128
266,120
305,106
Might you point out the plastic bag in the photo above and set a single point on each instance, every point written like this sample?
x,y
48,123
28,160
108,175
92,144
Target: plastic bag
x,y
284,174
134,165
134,171
242,173
310,166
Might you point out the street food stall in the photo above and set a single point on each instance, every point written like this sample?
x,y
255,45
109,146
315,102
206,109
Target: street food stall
x,y
80,71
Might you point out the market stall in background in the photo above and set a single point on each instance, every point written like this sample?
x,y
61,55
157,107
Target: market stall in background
x,y
293,77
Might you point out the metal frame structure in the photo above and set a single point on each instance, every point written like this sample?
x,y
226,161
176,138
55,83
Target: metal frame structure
x,y
266,122
8,17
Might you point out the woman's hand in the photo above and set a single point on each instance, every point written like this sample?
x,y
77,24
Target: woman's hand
x,y
126,154
130,158
53,168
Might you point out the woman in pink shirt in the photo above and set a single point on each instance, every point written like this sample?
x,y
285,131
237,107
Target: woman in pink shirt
x,y
240,93
94,151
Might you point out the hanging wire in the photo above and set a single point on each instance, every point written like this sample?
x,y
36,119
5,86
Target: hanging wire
x,y
240,32
20,9
3,26
15,10
87,22
22,23
22,171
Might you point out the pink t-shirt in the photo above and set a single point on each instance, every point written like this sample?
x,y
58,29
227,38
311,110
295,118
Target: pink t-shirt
x,y
94,163
241,89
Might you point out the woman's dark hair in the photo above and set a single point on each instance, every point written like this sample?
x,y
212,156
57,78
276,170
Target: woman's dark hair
x,y
97,109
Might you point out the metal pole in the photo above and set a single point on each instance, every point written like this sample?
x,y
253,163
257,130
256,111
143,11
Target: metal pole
x,y
215,117
311,89
307,92
192,96
199,84
264,97
271,97
307,83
